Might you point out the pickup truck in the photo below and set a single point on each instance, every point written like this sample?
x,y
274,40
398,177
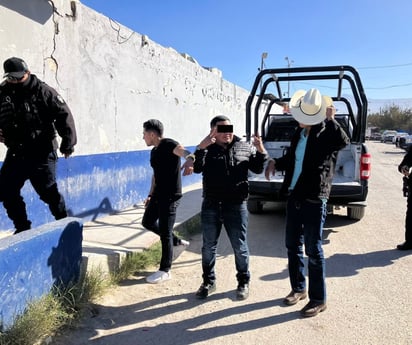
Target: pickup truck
x,y
267,114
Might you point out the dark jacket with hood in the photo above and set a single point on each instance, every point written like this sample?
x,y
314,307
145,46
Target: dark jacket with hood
x,y
407,161
30,114
225,170
323,143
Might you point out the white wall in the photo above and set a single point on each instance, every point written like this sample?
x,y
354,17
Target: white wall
x,y
110,80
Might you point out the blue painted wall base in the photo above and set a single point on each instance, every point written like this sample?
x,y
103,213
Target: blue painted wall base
x,y
34,261
95,186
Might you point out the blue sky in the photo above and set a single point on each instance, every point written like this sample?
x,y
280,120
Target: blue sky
x,y
231,35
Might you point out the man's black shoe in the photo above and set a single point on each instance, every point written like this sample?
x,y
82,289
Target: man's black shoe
x,y
242,291
404,246
294,297
205,290
313,309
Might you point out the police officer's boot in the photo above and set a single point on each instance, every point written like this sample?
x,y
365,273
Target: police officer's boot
x,y
22,226
16,210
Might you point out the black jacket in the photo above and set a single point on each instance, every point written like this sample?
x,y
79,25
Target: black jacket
x,y
407,161
30,114
323,143
225,170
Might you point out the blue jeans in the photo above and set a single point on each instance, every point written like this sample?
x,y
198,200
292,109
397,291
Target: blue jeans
x,y
234,216
304,225
160,217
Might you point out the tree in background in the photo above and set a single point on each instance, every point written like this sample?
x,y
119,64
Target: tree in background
x,y
392,117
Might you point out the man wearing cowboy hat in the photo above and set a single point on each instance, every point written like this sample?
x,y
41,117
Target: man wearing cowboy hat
x,y
309,167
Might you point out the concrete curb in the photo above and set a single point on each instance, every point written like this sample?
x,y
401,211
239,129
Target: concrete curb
x,y
107,241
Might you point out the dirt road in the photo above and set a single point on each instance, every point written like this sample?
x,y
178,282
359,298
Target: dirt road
x,y
368,282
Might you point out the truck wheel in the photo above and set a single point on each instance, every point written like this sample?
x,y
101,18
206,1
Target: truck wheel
x,y
356,213
254,206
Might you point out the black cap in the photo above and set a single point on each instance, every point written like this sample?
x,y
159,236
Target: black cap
x,y
15,67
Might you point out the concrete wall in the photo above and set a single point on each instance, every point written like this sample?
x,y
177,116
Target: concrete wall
x,y
32,262
113,79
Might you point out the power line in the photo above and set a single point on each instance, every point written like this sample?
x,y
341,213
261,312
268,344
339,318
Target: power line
x,y
387,66
365,87
388,87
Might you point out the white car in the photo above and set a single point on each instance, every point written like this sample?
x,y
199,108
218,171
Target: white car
x,y
388,135
397,138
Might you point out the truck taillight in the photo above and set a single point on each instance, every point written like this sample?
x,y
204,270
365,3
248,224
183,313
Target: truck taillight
x,y
365,166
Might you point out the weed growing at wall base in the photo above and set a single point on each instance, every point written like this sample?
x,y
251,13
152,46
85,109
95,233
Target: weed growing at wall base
x,y
40,319
136,262
44,317
57,311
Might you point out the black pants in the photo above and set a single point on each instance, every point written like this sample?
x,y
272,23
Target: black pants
x,y
40,170
408,219
160,217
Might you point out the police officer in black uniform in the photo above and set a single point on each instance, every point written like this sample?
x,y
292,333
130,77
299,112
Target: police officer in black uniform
x,y
30,114
405,169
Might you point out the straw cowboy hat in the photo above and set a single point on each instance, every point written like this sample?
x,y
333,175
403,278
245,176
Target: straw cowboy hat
x,y
309,107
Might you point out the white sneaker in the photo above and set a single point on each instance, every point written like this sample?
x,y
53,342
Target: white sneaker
x,y
159,277
182,242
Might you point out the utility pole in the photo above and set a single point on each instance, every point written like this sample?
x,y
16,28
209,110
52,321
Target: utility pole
x,y
262,63
290,62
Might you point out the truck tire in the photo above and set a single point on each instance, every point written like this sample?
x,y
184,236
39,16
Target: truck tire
x,y
356,213
254,206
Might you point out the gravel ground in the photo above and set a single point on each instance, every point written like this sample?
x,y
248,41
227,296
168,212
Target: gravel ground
x,y
368,282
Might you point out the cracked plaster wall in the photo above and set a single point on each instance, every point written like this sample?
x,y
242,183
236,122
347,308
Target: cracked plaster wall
x,y
111,81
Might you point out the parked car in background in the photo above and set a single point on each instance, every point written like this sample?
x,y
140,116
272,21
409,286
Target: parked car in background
x,y
388,135
371,132
405,142
397,137
376,136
